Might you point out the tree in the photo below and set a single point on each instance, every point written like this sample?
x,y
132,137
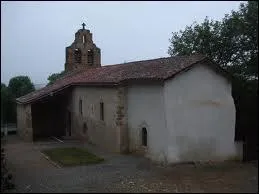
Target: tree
x,y
17,87
20,85
53,77
241,29
232,42
4,103
7,105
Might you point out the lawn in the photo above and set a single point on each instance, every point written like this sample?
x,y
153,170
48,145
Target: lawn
x,y
72,156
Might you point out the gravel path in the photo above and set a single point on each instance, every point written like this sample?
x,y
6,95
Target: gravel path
x,y
121,173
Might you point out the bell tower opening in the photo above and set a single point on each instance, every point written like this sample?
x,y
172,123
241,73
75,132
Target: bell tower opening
x,y
82,53
90,57
77,55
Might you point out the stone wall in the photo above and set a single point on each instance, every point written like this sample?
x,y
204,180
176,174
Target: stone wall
x,y
83,42
88,126
24,122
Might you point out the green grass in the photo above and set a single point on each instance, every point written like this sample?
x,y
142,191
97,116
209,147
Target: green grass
x,y
72,156
234,158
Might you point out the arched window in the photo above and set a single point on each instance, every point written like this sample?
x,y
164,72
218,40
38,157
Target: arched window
x,y
144,136
84,39
80,107
101,111
90,57
77,55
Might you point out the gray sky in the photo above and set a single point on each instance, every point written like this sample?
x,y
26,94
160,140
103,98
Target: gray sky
x,y
34,34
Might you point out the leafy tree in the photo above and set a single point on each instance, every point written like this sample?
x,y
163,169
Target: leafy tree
x,y
7,105
232,42
4,102
20,85
53,77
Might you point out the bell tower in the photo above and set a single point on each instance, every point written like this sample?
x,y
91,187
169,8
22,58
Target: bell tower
x,y
82,53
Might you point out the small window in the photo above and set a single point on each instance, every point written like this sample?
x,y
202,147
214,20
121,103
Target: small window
x,y
77,56
80,107
101,111
90,57
84,39
144,136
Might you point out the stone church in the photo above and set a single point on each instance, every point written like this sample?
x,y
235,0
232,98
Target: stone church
x,y
169,109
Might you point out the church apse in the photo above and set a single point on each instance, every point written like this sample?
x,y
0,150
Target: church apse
x,y
82,53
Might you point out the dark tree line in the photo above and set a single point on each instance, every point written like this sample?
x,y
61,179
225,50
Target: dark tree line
x,y
55,76
18,86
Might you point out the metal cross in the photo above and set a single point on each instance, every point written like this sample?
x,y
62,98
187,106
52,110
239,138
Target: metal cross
x,y
83,25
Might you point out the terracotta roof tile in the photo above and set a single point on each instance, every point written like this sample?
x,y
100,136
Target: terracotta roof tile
x,y
161,68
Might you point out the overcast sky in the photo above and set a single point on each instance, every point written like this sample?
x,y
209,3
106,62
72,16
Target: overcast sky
x,y
34,34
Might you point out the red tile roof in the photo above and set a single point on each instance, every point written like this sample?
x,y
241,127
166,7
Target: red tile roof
x,y
154,69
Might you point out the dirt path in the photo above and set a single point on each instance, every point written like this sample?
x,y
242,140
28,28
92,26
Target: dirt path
x,y
122,173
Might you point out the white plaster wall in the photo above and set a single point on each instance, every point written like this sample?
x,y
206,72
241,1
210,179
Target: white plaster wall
x,y
102,133
146,109
200,116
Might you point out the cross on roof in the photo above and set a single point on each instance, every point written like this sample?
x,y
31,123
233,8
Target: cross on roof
x,y
83,24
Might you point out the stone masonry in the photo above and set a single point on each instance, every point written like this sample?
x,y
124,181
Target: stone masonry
x,y
24,122
121,120
81,50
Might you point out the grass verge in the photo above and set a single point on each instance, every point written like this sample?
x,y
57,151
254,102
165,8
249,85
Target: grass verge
x,y
72,156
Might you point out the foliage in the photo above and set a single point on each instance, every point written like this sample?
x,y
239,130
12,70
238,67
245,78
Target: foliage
x,y
6,176
53,77
4,100
6,103
233,44
20,85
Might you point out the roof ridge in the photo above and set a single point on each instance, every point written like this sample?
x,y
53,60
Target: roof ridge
x,y
167,67
72,73
146,60
129,63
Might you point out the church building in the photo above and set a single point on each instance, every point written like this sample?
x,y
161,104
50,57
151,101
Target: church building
x,y
171,109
